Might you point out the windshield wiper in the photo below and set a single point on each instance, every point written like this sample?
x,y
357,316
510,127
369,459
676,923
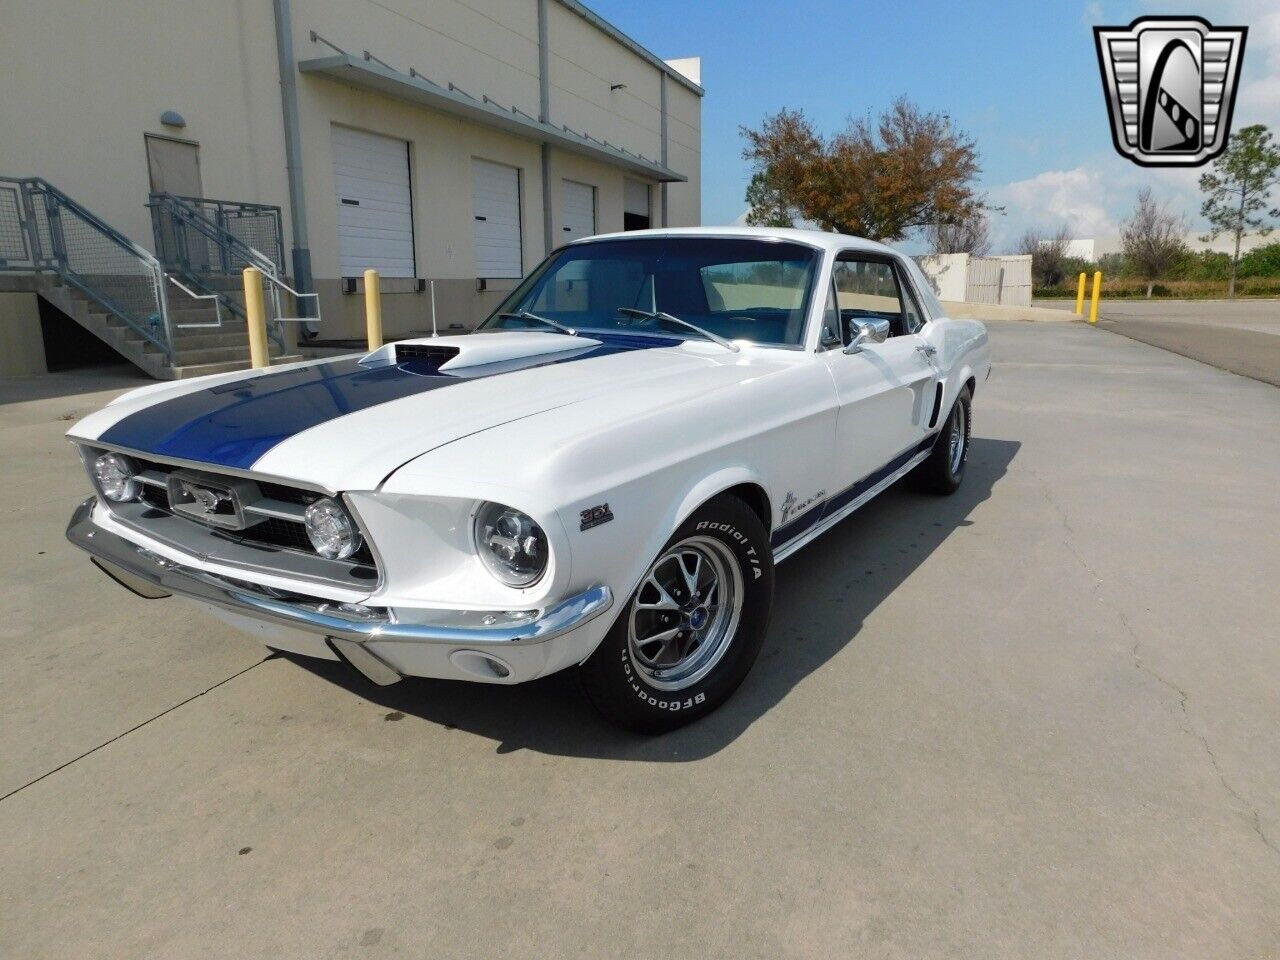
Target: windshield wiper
x,y
526,315
663,315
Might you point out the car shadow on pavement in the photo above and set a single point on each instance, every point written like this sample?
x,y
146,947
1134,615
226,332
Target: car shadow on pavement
x,y
823,595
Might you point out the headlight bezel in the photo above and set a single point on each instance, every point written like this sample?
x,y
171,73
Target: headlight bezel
x,y
510,571
344,538
130,486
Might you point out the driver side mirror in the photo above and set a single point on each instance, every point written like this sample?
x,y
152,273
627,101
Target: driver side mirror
x,y
870,330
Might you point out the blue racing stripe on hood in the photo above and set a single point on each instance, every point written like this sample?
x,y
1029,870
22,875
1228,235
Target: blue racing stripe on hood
x,y
235,424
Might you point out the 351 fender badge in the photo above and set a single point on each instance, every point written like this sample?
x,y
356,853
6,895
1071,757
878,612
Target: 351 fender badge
x,y
594,516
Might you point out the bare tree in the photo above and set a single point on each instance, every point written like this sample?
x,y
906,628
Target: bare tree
x,y
971,234
1152,238
1048,252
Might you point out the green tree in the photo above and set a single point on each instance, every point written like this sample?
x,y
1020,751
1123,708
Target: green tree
x,y
1152,239
768,204
880,180
1261,262
1238,189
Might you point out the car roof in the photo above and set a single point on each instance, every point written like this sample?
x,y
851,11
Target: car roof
x,y
815,238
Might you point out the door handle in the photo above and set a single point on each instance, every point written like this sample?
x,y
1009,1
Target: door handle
x,y
930,352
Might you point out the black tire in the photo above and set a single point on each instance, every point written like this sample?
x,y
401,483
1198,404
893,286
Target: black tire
x,y
940,474
616,677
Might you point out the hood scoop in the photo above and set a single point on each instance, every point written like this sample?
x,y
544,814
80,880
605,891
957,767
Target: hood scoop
x,y
458,354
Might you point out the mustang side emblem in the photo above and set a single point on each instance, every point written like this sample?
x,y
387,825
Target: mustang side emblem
x,y
1171,86
594,516
791,507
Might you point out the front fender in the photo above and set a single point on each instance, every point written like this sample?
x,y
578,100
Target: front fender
x,y
964,353
712,486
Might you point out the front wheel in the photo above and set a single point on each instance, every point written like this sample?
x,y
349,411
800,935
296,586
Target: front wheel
x,y
942,472
693,628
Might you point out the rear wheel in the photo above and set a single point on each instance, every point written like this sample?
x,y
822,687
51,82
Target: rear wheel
x,y
943,471
693,628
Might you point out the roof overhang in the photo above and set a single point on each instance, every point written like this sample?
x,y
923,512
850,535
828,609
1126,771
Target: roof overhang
x,y
416,89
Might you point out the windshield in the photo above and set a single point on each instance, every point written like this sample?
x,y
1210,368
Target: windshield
x,y
737,288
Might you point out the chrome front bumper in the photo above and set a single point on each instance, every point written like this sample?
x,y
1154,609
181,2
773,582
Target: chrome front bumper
x,y
348,628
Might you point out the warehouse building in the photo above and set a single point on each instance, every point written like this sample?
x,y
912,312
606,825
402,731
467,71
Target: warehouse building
x,y
449,144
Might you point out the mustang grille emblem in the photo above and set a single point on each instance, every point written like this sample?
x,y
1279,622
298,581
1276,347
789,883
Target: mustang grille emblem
x,y
1171,87
209,500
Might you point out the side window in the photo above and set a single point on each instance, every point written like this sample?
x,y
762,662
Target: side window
x,y
830,336
869,288
912,316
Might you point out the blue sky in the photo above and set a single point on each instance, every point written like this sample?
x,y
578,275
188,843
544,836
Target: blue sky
x,y
1021,77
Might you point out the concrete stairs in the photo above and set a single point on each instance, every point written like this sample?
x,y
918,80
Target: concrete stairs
x,y
200,350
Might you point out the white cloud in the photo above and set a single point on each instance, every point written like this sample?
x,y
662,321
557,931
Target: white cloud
x,y
1051,199
1092,199
1259,98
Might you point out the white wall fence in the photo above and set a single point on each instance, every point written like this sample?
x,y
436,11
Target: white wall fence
x,y
960,276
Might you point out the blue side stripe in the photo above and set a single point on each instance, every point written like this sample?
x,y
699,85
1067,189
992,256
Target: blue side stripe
x,y
235,424
834,504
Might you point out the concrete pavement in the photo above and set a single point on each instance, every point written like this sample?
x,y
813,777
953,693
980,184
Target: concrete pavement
x,y
1242,336
1035,719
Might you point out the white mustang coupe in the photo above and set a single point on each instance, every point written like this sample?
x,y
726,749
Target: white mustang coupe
x,y
601,477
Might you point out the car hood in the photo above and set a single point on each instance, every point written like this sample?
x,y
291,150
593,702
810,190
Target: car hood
x,y
348,423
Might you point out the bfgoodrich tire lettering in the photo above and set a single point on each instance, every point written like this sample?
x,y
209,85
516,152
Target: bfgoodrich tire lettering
x,y
689,634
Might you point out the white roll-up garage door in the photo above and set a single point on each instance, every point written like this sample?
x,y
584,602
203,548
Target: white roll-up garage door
x,y
579,214
496,203
375,203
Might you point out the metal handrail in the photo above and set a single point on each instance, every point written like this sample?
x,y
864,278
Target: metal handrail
x,y
187,212
172,240
296,296
59,259
217,308
224,212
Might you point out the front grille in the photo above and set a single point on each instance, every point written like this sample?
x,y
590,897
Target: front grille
x,y
284,533
272,532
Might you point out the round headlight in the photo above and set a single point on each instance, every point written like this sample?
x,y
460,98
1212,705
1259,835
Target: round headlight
x,y
512,546
331,530
117,477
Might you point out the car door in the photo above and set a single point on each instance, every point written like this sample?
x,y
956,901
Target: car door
x,y
884,390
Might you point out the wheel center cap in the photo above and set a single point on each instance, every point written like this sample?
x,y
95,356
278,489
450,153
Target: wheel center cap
x,y
698,617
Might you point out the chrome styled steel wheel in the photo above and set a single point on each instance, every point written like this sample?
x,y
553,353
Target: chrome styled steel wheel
x,y
943,470
959,437
685,614
690,632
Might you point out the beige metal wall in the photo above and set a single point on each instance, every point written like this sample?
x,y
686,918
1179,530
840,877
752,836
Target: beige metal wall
x,y
684,155
486,48
86,81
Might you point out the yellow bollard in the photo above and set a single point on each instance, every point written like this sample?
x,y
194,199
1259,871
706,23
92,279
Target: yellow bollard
x,y
1080,296
373,308
1097,295
255,310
